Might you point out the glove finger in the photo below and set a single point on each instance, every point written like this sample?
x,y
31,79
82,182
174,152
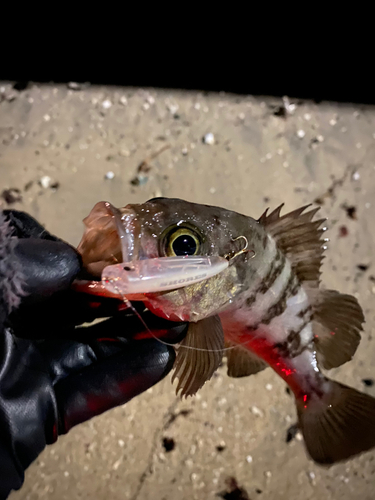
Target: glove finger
x,y
111,381
47,267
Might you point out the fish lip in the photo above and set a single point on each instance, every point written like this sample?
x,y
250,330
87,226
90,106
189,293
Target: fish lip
x,y
128,232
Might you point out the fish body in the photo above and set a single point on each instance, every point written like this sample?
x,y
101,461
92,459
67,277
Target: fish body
x,y
266,309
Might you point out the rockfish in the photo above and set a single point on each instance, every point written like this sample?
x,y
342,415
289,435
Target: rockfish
x,y
266,309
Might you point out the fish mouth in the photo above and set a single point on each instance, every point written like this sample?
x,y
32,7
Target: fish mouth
x,y
128,232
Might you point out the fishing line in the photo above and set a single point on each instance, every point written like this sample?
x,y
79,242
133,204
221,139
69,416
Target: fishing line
x,y
130,306
244,250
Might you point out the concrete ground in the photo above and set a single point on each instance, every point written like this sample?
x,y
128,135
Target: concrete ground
x,y
68,139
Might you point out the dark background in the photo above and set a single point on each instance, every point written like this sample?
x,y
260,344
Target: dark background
x,y
335,73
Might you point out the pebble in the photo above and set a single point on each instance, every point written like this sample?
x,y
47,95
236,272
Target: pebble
x,y
46,118
307,116
289,107
172,108
249,459
301,133
123,100
107,104
212,190
356,176
256,411
269,387
319,138
311,476
333,122
109,175
209,139
45,181
121,443
74,86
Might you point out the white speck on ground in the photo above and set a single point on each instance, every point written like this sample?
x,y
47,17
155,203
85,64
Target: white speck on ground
x,y
45,181
209,139
256,411
356,176
106,104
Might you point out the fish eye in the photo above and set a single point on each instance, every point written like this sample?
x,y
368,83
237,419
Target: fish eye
x,y
182,241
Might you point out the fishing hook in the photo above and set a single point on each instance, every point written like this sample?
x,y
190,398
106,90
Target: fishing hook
x,y
230,256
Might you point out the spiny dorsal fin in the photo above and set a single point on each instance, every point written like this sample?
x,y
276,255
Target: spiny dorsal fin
x,y
199,355
242,362
300,238
337,325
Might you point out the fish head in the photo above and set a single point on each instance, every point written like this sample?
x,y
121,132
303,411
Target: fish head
x,y
164,227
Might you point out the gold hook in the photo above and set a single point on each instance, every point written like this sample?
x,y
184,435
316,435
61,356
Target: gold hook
x,y
243,250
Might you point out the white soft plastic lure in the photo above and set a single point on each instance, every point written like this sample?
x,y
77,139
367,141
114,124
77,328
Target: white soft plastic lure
x,y
160,274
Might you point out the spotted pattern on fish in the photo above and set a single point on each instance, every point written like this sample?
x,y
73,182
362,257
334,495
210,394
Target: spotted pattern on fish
x,y
306,311
290,289
293,346
274,272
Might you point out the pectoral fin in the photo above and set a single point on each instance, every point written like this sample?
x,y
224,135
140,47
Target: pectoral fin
x,y
337,325
199,355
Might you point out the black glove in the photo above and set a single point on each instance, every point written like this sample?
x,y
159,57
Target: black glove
x,y
53,375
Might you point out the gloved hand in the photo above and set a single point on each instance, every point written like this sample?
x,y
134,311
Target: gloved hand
x,y
54,375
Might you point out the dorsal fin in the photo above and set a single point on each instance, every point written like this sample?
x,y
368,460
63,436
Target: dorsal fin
x,y
300,239
199,355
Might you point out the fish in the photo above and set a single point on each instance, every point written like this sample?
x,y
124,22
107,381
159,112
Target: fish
x,y
266,309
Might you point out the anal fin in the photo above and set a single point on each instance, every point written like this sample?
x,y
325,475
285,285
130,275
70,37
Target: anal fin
x,y
337,325
242,362
199,355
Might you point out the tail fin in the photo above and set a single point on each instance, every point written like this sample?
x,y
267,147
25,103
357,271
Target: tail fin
x,y
338,425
